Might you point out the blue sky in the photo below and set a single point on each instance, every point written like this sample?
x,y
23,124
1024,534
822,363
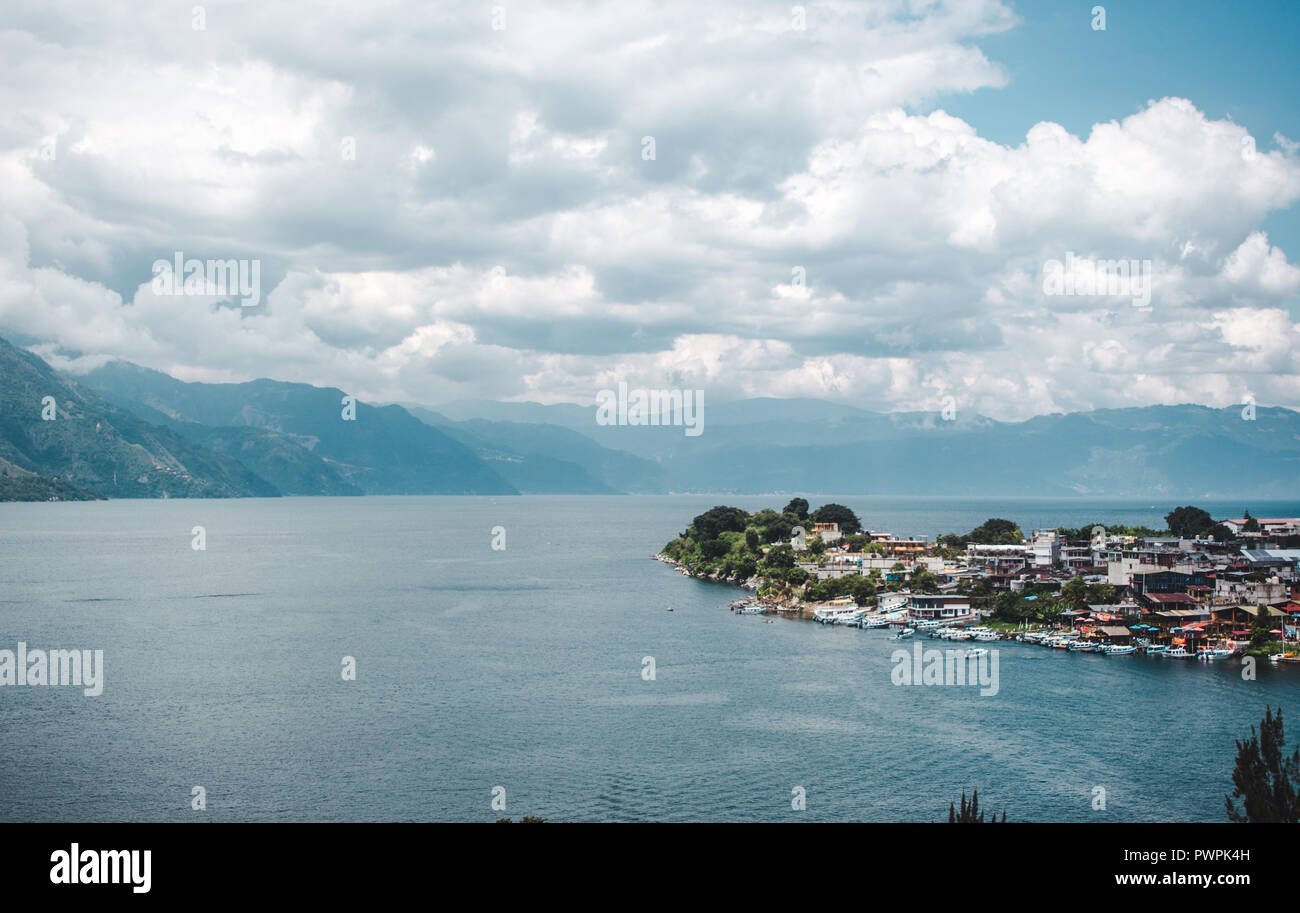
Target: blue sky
x,y
1232,60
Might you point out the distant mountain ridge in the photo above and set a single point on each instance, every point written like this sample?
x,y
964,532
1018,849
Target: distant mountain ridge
x,y
128,431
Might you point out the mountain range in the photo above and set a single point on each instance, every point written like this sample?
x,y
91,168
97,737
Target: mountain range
x,y
126,431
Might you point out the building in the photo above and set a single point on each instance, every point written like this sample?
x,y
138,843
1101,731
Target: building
x,y
827,532
1045,547
1273,526
938,607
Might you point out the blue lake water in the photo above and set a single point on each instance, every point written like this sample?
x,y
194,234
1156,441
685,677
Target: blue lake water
x,y
522,669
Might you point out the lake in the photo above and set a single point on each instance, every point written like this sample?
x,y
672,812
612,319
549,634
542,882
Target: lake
x,y
522,668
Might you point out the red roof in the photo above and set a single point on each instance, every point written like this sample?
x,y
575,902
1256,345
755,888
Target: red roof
x,y
1170,598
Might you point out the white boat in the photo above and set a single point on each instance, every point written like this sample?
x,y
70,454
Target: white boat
x,y
873,621
751,610
1084,646
1209,656
928,625
978,651
836,614
1177,653
904,632
1119,650
1157,649
987,636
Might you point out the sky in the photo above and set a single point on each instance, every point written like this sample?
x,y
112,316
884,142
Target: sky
x,y
862,202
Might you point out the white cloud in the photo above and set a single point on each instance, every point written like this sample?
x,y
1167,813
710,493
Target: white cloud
x,y
498,232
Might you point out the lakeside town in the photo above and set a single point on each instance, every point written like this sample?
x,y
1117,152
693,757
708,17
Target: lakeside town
x,y
1202,589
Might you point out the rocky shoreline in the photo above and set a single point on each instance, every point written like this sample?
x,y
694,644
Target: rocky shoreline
x,y
791,605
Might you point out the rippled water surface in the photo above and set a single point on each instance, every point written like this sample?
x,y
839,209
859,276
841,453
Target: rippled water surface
x,y
522,668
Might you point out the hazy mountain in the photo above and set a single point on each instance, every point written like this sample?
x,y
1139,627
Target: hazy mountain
x,y
386,450
594,469
763,445
291,438
93,446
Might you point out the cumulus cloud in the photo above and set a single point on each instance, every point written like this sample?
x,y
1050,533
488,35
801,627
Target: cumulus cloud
x,y
444,209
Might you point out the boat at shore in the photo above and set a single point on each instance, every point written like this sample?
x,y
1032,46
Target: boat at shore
x,y
1213,654
1155,649
837,614
1119,649
1179,652
904,633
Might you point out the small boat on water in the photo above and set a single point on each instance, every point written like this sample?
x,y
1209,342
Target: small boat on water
x,y
1285,657
1178,653
928,625
986,636
978,651
1084,646
751,610
1119,649
1156,649
1210,655
873,621
904,632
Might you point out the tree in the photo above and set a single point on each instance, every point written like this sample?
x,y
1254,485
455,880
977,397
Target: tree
x,y
752,541
781,556
1251,525
1188,522
714,548
925,582
995,531
717,520
971,814
1265,779
798,507
1075,593
838,513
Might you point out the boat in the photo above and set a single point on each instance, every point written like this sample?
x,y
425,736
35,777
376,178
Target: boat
x,y
987,636
1084,646
751,610
1178,653
873,621
1210,655
1157,649
836,614
1119,649
928,625
978,651
904,632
